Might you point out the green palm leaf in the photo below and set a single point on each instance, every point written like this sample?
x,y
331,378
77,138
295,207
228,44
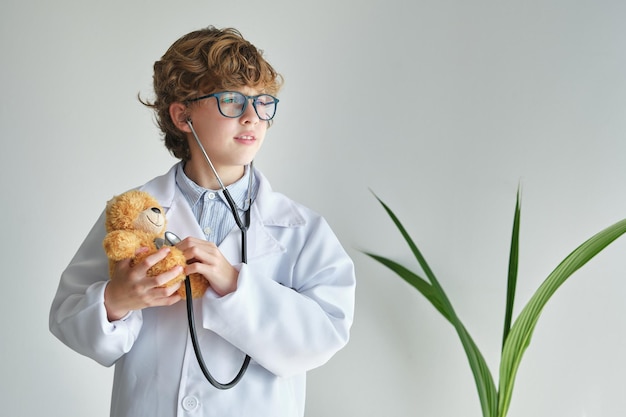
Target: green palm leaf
x,y
416,281
513,265
521,332
435,294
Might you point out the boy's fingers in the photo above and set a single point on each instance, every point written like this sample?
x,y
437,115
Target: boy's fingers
x,y
153,258
165,277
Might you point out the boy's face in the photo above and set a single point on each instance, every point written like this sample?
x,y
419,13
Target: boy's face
x,y
230,143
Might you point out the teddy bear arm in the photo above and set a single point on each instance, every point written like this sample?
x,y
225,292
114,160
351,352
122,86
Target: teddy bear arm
x,y
121,244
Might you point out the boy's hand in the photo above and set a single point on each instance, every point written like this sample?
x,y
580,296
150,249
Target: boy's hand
x,y
131,289
206,259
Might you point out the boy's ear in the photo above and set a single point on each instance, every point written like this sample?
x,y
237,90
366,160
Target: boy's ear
x,y
179,114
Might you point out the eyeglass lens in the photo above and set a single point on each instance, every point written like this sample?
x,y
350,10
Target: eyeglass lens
x,y
233,104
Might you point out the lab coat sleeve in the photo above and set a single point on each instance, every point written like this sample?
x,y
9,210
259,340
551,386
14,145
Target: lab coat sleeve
x,y
78,317
290,329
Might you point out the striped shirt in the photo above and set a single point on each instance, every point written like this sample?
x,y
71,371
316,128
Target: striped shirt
x,y
211,208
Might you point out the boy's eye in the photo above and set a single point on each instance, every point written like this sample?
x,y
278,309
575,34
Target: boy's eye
x,y
232,98
264,100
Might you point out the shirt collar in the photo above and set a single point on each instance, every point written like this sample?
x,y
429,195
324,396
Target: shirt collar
x,y
193,192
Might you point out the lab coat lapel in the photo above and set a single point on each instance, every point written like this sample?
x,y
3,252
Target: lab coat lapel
x,y
270,210
260,242
180,218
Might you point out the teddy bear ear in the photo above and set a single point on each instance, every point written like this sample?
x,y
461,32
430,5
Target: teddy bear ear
x,y
109,202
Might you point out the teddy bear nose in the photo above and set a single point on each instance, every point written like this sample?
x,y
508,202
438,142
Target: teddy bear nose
x,y
156,210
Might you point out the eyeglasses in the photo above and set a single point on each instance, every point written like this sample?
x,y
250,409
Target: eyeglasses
x,y
233,104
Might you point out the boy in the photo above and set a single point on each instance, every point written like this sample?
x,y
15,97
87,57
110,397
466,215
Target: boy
x,y
289,308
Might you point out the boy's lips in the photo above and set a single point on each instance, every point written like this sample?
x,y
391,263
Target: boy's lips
x,y
246,137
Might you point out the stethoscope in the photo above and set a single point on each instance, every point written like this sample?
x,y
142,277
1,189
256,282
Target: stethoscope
x,y
172,239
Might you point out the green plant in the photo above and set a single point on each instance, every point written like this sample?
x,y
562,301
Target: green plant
x,y
516,338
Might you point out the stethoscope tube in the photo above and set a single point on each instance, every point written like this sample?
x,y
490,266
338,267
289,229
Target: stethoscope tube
x,y
196,347
244,258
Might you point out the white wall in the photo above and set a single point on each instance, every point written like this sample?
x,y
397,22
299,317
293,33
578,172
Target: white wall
x,y
440,107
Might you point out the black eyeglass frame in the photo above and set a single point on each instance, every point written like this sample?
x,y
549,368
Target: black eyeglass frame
x,y
254,99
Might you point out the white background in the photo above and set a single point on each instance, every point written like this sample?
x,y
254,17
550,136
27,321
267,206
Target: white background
x,y
441,108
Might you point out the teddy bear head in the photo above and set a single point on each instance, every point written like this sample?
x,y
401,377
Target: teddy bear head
x,y
135,210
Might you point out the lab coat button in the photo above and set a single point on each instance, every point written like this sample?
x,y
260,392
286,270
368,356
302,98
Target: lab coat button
x,y
190,403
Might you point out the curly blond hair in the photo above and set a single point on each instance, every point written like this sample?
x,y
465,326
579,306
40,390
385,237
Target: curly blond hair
x,y
203,62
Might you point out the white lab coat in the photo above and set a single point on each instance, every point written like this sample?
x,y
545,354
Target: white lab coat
x,y
291,312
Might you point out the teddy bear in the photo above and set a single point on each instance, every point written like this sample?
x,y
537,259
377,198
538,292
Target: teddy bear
x,y
135,219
